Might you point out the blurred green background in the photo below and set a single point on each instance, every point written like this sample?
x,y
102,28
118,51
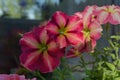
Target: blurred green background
x,y
42,9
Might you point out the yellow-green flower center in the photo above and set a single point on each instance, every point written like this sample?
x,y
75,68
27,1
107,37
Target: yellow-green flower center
x,y
62,31
86,33
110,10
43,47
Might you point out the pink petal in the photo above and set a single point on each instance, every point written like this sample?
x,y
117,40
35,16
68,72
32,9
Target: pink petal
x,y
103,8
73,53
103,17
81,47
86,47
115,18
87,15
48,63
41,34
54,50
95,30
12,77
61,41
60,18
79,14
28,41
33,79
52,46
4,77
51,27
16,77
28,59
45,63
116,9
75,38
74,24
44,36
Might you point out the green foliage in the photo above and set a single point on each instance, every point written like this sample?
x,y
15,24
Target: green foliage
x,y
63,72
11,9
107,62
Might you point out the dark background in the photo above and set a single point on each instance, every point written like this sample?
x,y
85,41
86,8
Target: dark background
x,y
9,41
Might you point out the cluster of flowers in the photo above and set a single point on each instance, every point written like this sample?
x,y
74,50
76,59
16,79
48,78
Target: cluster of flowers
x,y
44,46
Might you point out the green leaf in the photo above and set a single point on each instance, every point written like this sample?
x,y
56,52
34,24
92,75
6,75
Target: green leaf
x,y
118,63
112,55
111,43
110,66
115,37
115,62
118,78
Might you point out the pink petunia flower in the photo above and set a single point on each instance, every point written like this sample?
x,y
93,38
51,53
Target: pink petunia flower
x,y
73,52
91,29
108,14
39,51
13,77
65,29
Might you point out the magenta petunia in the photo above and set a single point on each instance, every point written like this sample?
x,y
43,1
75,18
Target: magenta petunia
x,y
65,29
39,51
108,14
91,29
13,77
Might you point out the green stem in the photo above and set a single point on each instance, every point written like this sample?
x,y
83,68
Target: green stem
x,y
116,52
107,30
115,48
63,78
83,63
37,74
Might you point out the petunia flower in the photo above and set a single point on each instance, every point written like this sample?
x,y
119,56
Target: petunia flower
x,y
91,29
39,52
65,29
13,77
108,14
73,52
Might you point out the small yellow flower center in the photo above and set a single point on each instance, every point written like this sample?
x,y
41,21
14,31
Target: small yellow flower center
x,y
110,10
43,47
86,33
62,31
